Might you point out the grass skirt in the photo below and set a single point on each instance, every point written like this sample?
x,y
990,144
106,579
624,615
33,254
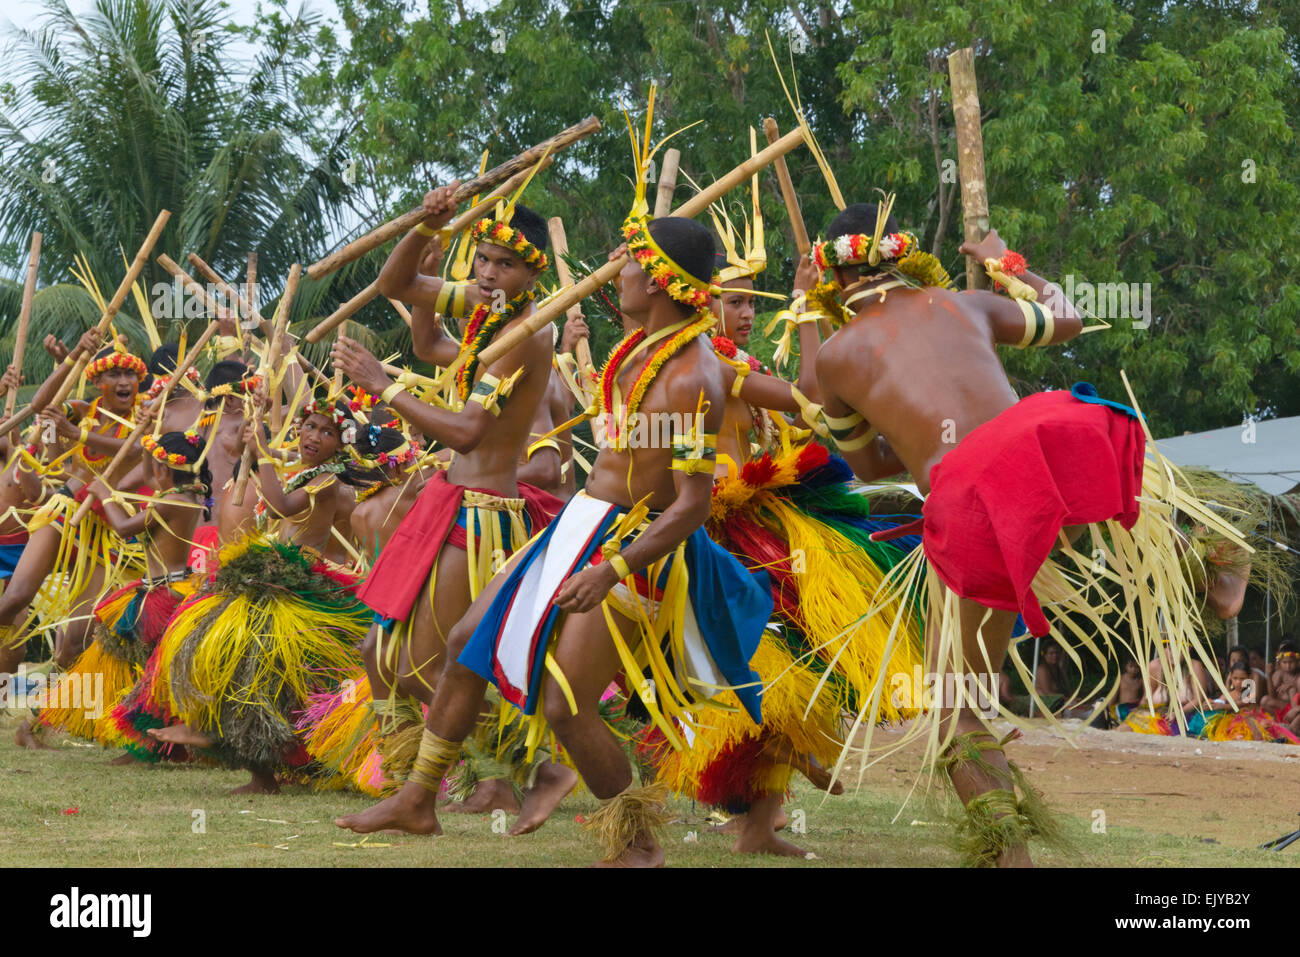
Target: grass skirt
x,y
241,661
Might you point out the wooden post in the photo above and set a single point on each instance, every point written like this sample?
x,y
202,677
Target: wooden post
x,y
110,475
801,241
560,246
110,310
396,227
24,318
667,182
970,159
588,285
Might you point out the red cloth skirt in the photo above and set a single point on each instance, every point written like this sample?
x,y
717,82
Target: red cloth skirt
x,y
998,500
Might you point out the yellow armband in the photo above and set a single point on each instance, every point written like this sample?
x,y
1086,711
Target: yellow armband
x,y
1040,324
543,444
387,395
491,392
424,230
451,299
841,427
694,452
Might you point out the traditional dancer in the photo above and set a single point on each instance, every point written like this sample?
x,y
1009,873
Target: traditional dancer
x,y
88,553
468,520
130,622
568,614
912,381
279,621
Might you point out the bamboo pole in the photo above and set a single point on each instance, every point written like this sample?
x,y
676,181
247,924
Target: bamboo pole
x,y
667,182
560,246
970,159
248,303
394,228
270,359
109,476
251,309
461,222
589,284
105,319
801,241
24,318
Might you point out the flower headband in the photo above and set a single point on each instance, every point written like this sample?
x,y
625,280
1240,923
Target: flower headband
x,y
173,459
238,387
117,360
659,266
347,427
500,233
856,248
404,454
160,383
361,401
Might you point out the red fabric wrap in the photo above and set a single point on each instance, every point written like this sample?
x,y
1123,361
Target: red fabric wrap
x,y
17,538
96,505
403,567
998,500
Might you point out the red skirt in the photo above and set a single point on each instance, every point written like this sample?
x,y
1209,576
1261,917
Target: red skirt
x,y
998,500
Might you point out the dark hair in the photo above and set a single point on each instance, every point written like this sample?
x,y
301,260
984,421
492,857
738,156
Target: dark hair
x,y
1287,645
686,243
163,360
858,218
531,225
373,440
177,443
223,373
1239,666
351,474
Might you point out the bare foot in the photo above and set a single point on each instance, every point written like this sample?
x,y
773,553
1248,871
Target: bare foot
x,y
181,734
497,794
645,852
26,737
765,841
262,782
554,782
412,810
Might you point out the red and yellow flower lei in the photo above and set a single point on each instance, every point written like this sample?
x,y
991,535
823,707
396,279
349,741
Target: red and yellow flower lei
x,y
172,459
482,326
855,248
667,275
160,383
116,360
497,233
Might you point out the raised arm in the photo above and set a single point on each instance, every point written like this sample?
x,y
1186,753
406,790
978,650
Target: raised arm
x,y
1050,320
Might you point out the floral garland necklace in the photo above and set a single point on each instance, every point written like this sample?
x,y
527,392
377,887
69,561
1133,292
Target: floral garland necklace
x,y
300,478
673,339
482,326
96,462
763,427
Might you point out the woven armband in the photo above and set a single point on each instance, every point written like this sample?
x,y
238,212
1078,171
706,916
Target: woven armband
x,y
841,427
491,392
693,453
451,299
811,411
1040,324
742,370
542,444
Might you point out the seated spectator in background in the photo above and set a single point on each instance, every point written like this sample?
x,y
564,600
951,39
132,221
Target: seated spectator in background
x,y
1243,690
1258,664
1049,680
1131,692
1284,684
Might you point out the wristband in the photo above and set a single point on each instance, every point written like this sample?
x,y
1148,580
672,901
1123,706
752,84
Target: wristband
x,y
68,360
620,566
424,230
84,436
266,461
387,395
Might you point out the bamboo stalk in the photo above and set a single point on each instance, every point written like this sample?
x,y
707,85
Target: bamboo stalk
x,y
24,318
461,222
270,360
970,159
249,303
401,310
105,319
801,241
250,309
588,285
667,182
393,228
109,476
560,246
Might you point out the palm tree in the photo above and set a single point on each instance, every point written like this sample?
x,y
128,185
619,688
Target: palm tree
x,y
137,107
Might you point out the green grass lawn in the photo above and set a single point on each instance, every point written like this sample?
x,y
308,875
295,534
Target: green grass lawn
x,y
181,816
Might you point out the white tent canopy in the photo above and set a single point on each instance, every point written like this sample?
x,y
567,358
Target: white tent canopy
x,y
1266,454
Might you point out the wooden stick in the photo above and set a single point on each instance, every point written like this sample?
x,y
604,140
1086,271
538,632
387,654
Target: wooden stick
x,y
394,228
801,241
189,283
110,310
970,159
24,318
560,246
249,303
667,182
251,310
461,222
401,310
270,359
109,476
585,287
